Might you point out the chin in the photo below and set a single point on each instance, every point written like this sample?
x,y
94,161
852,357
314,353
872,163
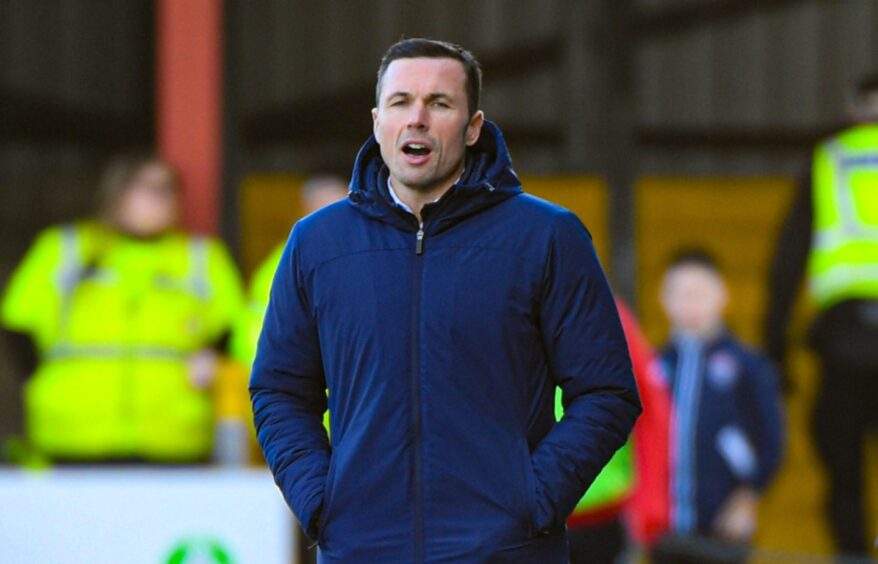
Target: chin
x,y
416,183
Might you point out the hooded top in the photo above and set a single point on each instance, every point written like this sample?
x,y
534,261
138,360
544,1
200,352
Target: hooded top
x,y
440,351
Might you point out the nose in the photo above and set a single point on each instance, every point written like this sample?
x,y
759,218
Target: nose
x,y
417,118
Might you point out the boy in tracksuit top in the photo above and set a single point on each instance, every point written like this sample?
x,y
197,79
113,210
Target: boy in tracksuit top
x,y
726,428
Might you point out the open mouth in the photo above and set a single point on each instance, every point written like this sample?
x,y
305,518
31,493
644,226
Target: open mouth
x,y
416,149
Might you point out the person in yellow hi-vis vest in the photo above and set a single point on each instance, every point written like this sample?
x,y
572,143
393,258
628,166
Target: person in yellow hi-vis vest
x,y
831,236
317,192
123,312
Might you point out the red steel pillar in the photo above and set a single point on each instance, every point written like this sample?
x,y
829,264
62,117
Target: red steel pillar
x,y
189,103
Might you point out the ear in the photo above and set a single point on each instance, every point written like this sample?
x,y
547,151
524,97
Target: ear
x,y
474,128
375,122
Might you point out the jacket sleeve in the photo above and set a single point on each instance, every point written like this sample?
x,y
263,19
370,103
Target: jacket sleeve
x,y
589,361
287,387
787,272
764,418
31,298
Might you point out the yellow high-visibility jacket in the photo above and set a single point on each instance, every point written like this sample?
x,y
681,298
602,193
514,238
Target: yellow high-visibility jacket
x,y
844,255
249,324
115,320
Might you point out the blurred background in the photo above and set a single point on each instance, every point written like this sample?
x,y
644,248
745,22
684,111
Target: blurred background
x,y
662,123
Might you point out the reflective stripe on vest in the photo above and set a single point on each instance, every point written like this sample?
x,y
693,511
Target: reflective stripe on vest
x,y
66,351
69,271
844,256
198,252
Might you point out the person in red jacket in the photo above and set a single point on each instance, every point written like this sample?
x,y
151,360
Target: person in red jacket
x,y
648,508
632,490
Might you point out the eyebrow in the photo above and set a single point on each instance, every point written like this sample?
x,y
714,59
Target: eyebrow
x,y
436,95
430,97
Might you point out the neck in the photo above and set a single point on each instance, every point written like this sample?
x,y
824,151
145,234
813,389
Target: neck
x,y
704,334
417,199
138,236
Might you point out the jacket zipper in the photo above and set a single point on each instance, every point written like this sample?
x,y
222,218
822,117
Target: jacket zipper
x,y
419,243
416,396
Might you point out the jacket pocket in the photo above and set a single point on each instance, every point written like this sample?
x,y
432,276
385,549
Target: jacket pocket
x,y
327,501
531,493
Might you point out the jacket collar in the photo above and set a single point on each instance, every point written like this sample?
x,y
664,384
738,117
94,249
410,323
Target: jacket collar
x,y
487,180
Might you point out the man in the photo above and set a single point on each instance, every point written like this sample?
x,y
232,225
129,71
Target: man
x,y
832,234
440,307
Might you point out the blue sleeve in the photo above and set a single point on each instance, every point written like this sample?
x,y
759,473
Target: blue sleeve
x,y
589,360
764,420
287,388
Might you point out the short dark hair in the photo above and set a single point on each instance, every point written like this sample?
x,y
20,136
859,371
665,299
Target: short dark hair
x,y
433,49
694,256
866,85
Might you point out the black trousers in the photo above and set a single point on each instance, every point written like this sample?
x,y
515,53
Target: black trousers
x,y
845,413
690,549
602,543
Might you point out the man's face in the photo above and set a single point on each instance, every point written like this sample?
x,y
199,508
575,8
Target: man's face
x,y
422,122
694,298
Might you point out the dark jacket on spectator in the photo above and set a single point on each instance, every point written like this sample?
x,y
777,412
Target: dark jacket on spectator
x,y
727,428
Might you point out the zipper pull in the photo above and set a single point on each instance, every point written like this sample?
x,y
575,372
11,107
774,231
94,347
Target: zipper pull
x,y
419,245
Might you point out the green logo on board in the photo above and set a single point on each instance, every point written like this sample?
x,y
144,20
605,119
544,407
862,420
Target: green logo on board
x,y
200,551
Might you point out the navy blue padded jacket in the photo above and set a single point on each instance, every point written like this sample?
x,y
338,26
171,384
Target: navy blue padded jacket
x,y
440,357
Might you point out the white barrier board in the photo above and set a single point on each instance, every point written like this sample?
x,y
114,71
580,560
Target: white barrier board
x,y
174,516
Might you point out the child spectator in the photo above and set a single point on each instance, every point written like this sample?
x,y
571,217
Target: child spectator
x,y
726,426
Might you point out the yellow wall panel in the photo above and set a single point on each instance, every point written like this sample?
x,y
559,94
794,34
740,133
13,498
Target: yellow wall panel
x,y
736,219
586,196
270,205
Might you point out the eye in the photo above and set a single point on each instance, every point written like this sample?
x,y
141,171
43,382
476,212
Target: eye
x,y
441,104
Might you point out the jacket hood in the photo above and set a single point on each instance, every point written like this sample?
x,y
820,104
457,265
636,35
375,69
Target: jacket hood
x,y
487,180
